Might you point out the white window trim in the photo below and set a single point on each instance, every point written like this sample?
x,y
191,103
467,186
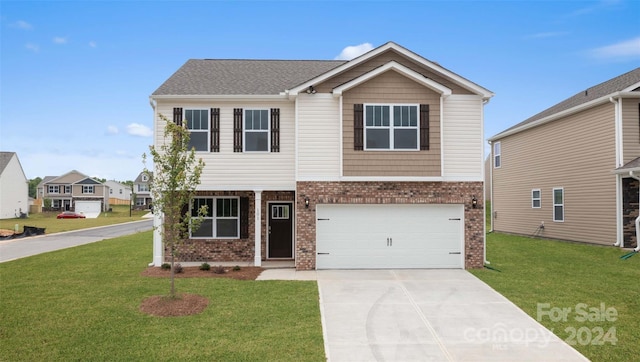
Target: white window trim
x,y
391,127
554,203
539,199
52,189
245,131
214,218
497,155
208,130
67,189
88,187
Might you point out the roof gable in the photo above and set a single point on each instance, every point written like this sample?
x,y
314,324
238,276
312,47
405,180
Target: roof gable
x,y
5,158
68,178
88,181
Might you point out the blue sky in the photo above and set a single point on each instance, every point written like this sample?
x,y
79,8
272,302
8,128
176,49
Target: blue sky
x,y
76,76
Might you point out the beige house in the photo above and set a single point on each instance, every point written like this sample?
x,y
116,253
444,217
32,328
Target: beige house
x,y
571,171
376,162
74,191
14,187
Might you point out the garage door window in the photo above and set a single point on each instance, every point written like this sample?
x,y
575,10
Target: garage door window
x,y
221,219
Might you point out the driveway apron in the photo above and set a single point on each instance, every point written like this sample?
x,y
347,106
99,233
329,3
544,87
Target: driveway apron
x,y
428,315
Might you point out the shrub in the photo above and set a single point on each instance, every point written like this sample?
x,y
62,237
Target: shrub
x,y
166,266
205,266
236,268
218,269
178,268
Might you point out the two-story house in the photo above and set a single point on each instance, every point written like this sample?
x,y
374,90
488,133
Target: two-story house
x,y
142,190
75,191
376,162
119,194
571,171
14,187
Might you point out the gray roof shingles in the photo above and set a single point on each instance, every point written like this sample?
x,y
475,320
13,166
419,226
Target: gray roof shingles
x,y
5,157
611,86
242,77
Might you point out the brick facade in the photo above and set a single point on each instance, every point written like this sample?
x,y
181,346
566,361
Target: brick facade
x,y
388,193
630,206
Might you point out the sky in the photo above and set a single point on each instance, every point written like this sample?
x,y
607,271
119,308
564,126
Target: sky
x,y
75,77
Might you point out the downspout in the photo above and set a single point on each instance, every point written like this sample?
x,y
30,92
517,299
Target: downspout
x,y
158,250
637,248
618,147
487,262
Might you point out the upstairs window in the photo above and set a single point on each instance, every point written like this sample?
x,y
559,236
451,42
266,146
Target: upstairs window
x,y
391,127
197,121
143,188
54,189
87,189
536,198
67,189
256,130
497,161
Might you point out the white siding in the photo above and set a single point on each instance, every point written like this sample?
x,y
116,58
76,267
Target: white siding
x,y
228,170
462,137
14,190
318,137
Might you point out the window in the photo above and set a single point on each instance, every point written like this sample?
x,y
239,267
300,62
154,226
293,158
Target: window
x,y
120,191
497,161
54,189
198,126
144,177
143,188
280,212
256,130
110,191
221,220
87,189
391,127
67,189
535,198
558,204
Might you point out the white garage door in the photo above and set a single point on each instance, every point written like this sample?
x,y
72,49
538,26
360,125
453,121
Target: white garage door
x,y
88,207
389,236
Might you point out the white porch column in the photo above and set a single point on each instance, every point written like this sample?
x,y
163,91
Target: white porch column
x,y
258,225
157,241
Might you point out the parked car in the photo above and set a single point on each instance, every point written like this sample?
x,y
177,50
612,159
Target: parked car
x,y
70,215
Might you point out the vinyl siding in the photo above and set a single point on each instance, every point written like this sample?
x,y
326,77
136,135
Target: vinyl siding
x,y
576,153
318,137
392,88
14,190
630,129
228,170
462,143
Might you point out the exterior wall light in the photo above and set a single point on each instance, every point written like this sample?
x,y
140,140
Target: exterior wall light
x,y
306,202
474,202
311,90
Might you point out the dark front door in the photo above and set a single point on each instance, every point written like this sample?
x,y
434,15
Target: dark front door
x,y
280,230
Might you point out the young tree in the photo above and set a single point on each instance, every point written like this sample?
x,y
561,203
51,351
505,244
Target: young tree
x,y
175,178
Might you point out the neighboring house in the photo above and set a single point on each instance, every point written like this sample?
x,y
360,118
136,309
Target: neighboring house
x,y
142,190
14,187
119,194
75,191
571,171
376,162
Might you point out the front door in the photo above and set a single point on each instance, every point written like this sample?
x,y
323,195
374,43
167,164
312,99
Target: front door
x,y
280,230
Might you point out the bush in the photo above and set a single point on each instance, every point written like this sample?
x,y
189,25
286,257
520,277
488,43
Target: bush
x,y
166,266
205,266
236,268
178,268
219,269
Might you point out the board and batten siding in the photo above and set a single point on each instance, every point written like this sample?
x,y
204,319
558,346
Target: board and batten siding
x,y
630,129
462,143
228,170
576,153
318,137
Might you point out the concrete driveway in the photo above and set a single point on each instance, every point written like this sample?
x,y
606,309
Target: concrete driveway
x,y
428,315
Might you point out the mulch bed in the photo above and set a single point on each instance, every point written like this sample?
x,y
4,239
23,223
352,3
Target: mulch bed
x,y
245,272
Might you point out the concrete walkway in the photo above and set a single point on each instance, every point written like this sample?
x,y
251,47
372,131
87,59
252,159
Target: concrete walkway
x,y
424,315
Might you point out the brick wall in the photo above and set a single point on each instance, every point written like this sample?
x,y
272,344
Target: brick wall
x,y
629,211
389,193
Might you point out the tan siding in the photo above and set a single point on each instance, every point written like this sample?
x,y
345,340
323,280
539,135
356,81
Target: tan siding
x,y
318,137
391,87
382,59
630,129
224,169
576,153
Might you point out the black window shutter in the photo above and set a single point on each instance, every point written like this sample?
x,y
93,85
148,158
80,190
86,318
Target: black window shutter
x,y
424,126
275,129
244,217
358,131
215,129
177,116
237,130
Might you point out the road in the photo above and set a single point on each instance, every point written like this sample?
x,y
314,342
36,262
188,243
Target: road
x,y
20,248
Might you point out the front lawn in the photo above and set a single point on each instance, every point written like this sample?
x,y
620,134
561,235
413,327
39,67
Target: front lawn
x,y
584,293
83,303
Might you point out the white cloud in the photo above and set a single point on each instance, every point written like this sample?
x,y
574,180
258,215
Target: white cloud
x,y
136,129
112,130
33,47
60,40
627,49
93,44
353,51
21,24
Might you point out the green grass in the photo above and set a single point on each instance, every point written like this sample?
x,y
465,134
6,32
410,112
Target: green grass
x,y
83,303
563,274
47,220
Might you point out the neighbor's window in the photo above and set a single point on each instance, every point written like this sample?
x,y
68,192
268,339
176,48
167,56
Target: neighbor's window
x,y
535,198
67,189
143,188
391,127
558,204
497,157
54,189
197,121
87,189
110,191
222,219
256,130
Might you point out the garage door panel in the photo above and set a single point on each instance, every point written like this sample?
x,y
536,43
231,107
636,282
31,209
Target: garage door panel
x,y
389,236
